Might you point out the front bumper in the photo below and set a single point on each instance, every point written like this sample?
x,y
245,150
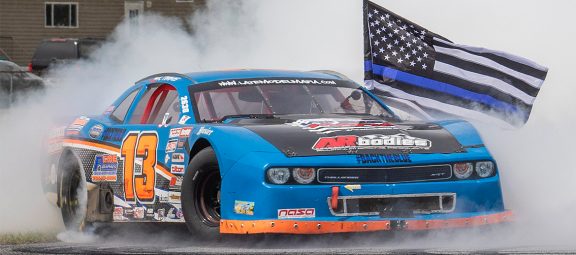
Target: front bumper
x,y
326,227
477,202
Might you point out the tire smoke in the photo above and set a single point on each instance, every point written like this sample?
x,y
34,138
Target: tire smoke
x,y
535,161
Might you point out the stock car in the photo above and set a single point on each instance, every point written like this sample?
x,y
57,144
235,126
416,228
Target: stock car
x,y
269,151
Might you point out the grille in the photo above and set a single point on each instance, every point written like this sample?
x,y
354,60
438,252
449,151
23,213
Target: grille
x,y
385,175
404,206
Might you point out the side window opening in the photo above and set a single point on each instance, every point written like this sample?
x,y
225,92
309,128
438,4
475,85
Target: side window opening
x,y
119,113
154,104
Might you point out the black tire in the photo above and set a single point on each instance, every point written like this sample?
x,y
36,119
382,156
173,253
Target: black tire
x,y
73,195
201,195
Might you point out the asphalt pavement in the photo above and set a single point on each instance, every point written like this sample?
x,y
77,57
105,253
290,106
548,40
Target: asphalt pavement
x,y
175,240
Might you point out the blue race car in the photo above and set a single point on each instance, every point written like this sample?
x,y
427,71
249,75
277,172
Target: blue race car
x,y
265,151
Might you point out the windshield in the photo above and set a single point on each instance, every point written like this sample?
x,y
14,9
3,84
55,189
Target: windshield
x,y
219,103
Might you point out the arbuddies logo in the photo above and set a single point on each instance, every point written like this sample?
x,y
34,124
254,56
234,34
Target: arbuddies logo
x,y
327,126
382,142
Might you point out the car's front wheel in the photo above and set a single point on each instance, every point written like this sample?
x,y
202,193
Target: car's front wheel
x,y
201,195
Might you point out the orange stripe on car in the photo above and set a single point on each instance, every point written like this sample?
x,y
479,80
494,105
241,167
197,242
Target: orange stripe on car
x,y
324,227
93,144
113,149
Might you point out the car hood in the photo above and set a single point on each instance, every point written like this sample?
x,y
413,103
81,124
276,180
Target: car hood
x,y
337,136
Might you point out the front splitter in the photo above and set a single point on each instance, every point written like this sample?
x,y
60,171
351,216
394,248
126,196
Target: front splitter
x,y
327,227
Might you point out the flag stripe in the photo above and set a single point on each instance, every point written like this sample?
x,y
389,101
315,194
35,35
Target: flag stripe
x,y
503,54
486,66
517,66
478,83
437,105
419,93
433,88
481,89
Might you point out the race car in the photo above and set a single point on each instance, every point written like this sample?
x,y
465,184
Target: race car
x,y
269,151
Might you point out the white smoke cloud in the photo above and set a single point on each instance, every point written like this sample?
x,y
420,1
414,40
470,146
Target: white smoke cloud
x,y
535,162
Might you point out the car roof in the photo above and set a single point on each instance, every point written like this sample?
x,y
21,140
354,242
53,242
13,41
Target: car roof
x,y
210,76
201,77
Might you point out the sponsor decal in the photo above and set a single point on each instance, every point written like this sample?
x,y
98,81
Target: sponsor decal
x,y
77,125
96,131
129,212
327,126
175,183
353,187
183,119
177,157
379,142
138,166
296,213
181,142
175,213
276,82
175,132
171,145
139,212
162,198
150,212
185,132
79,122
382,158
105,168
177,169
109,110
166,158
174,197
244,207
113,134
118,214
160,214
184,102
204,131
165,78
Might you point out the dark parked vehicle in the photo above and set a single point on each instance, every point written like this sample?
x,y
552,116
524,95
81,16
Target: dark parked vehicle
x,y
14,81
61,50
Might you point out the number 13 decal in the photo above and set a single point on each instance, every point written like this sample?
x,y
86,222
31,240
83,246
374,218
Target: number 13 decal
x,y
139,154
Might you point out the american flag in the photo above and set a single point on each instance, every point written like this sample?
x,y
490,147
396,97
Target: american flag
x,y
404,60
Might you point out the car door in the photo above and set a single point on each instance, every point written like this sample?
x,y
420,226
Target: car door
x,y
144,151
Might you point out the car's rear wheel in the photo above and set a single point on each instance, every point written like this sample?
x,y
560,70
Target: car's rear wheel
x,y
73,195
201,195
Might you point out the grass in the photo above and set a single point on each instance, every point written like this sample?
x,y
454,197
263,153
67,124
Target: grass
x,y
27,238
